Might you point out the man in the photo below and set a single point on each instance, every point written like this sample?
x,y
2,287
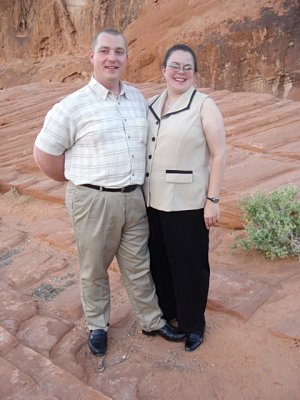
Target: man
x,y
95,139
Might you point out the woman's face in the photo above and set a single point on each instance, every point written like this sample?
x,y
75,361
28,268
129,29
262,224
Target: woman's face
x,y
179,71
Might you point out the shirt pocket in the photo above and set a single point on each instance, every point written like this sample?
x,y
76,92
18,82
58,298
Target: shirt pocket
x,y
179,176
137,128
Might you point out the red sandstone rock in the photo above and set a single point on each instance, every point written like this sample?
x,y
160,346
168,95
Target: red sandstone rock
x,y
241,46
251,348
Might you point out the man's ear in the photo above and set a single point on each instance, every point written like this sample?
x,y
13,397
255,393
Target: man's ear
x,y
91,56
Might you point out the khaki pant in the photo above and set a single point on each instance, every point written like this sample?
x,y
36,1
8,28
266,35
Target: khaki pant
x,y
109,224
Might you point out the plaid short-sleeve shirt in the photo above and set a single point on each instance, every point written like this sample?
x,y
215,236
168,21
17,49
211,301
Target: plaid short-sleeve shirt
x,y
103,136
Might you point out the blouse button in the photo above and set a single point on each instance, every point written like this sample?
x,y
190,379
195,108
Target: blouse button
x,y
153,139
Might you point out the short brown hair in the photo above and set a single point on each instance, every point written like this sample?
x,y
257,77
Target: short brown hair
x,y
110,31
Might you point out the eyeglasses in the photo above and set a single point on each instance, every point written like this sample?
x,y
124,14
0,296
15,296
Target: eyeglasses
x,y
177,67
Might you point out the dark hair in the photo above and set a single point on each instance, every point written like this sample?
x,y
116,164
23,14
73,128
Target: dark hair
x,y
110,31
182,47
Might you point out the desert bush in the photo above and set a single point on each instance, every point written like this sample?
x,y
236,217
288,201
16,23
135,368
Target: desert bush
x,y
272,223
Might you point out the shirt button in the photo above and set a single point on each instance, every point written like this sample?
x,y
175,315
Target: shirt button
x,y
147,174
128,136
132,156
153,139
133,174
150,157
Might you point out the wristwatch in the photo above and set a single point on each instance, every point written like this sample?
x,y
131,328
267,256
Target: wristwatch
x,y
213,199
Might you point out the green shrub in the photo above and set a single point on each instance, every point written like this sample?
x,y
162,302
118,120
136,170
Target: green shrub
x,y
272,223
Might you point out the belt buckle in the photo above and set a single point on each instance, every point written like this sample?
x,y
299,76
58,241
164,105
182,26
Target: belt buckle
x,y
123,189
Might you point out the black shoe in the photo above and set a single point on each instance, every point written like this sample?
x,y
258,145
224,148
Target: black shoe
x,y
98,342
168,333
192,341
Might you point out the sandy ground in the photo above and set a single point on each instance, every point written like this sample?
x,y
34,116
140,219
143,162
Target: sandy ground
x,y
241,358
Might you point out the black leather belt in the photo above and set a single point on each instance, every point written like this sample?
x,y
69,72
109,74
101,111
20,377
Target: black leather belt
x,y
125,189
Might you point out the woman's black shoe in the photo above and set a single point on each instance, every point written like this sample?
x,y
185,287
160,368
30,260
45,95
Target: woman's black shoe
x,y
168,333
192,341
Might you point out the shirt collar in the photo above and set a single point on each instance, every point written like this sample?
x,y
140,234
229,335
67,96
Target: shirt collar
x,y
183,103
103,92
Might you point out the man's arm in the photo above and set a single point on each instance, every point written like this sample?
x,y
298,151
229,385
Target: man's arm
x,y
52,166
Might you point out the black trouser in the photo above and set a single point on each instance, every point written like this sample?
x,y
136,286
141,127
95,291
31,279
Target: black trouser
x,y
178,247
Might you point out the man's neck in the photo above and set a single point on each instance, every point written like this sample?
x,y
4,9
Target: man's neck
x,y
112,86
115,91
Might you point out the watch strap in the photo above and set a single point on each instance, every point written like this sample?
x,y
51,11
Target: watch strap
x,y
213,199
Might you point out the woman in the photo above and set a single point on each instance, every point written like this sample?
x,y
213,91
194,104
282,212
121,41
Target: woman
x,y
186,160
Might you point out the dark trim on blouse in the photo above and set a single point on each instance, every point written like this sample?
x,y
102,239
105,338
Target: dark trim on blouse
x,y
174,112
178,171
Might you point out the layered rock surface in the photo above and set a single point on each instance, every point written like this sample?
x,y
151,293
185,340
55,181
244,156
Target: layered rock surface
x,y
252,343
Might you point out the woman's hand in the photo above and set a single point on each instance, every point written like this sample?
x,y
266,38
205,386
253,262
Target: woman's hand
x,y
211,213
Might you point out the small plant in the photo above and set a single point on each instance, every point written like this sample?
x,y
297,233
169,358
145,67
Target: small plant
x,y
272,223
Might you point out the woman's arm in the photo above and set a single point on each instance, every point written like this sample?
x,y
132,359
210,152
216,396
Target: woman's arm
x,y
214,131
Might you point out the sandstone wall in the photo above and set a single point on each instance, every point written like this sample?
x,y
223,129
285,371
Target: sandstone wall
x,y
241,46
252,46
33,29
36,29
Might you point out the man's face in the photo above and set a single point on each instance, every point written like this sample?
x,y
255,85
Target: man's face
x,y
109,59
